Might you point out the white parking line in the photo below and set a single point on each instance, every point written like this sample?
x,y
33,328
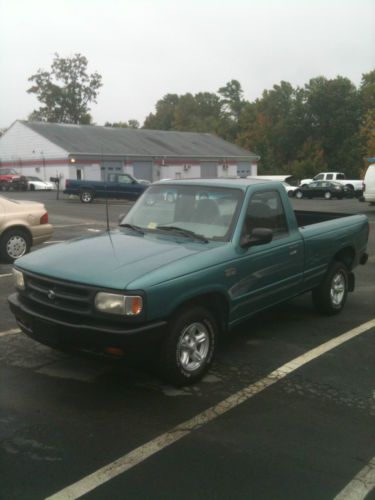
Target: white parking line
x,y
361,485
10,332
5,275
145,451
51,242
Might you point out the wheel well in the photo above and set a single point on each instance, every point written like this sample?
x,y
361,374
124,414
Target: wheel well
x,y
25,229
350,186
215,302
346,255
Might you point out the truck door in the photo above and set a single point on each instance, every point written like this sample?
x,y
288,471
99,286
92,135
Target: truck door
x,y
272,272
124,186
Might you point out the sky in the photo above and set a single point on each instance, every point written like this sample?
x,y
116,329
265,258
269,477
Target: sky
x,y
145,49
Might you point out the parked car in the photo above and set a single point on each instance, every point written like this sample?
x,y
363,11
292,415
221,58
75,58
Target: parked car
x,y
178,274
355,185
22,224
324,189
37,184
369,185
11,180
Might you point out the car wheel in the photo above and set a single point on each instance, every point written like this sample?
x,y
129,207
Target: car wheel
x,y
330,296
32,187
290,194
299,194
13,244
327,195
86,196
187,351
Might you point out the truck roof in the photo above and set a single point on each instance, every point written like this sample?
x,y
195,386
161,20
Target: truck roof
x,y
229,182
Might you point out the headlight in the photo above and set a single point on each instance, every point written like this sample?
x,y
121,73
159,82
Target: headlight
x,y
114,303
18,279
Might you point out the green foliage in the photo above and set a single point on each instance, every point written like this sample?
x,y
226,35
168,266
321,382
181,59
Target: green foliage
x,y
65,91
188,112
327,125
128,124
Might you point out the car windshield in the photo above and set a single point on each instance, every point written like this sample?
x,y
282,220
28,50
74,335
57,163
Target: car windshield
x,y
202,212
34,179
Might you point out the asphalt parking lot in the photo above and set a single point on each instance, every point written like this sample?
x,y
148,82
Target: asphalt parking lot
x,y
256,427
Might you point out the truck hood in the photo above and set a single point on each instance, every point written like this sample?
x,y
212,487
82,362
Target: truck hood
x,y
109,260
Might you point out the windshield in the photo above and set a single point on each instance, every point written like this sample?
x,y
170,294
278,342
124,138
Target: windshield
x,y
207,212
34,179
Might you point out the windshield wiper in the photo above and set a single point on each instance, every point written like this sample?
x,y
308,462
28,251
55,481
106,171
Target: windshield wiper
x,y
137,229
183,232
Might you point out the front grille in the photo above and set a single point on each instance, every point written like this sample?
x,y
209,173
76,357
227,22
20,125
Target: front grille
x,y
58,295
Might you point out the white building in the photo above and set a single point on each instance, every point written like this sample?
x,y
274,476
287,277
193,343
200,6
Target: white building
x,y
91,152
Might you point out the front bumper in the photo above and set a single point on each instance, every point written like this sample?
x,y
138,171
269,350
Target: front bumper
x,y
68,335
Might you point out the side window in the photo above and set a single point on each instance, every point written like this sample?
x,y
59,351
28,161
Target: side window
x,y
266,210
329,177
340,177
319,177
124,179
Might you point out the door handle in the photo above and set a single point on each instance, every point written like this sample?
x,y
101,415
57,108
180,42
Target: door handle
x,y
293,250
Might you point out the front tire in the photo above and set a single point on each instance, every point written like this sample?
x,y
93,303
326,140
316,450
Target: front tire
x,y
330,296
187,351
86,196
14,244
327,195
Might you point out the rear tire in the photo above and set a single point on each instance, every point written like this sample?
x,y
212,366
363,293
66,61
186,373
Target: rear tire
x,y
187,351
86,196
327,195
14,243
330,296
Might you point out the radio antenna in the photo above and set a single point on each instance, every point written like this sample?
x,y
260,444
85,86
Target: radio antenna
x,y
106,207
106,191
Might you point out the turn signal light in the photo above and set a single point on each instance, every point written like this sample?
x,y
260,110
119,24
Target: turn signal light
x,y
133,305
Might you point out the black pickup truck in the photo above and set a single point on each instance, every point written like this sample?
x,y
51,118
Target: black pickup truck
x,y
117,186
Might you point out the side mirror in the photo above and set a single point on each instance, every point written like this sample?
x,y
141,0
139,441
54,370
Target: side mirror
x,y
259,236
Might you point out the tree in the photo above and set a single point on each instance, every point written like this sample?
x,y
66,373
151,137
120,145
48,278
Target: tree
x,y
232,99
367,91
164,116
65,91
128,124
334,112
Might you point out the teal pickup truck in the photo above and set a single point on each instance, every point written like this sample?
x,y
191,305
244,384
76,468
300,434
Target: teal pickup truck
x,y
117,186
191,259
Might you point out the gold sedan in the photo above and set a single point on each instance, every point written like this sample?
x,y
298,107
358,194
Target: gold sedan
x,y
22,224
